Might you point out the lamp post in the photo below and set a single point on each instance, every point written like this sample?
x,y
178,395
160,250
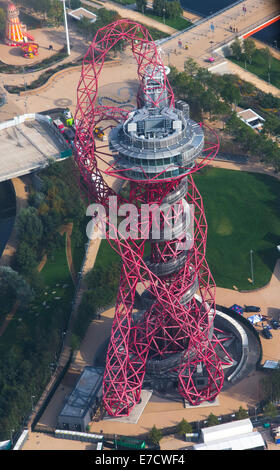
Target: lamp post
x,y
32,404
252,267
11,435
66,28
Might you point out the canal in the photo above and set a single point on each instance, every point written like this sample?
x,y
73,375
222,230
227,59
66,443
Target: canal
x,y
7,212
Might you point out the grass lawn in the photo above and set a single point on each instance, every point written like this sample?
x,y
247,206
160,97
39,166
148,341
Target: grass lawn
x,y
106,255
243,214
78,240
56,269
178,23
242,211
259,67
49,312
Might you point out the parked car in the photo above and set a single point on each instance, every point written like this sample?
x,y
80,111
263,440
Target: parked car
x,y
266,333
275,324
251,308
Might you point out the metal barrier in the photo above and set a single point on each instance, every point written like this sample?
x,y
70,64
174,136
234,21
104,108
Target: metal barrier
x,y
79,436
22,439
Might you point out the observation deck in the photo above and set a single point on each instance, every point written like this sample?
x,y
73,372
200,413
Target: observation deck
x,y
157,143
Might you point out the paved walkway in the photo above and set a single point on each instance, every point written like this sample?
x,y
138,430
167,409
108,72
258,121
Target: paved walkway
x,y
202,41
68,230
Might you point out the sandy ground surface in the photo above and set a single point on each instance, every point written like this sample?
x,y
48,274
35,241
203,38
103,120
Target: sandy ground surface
x,y
44,37
40,441
62,92
159,411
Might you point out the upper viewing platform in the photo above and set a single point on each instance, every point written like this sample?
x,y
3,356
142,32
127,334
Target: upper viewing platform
x,y
157,143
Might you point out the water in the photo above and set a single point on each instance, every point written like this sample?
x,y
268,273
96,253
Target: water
x,y
7,213
270,35
205,7
6,227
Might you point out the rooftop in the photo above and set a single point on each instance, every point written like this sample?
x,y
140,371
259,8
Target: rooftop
x,y
249,115
85,390
26,145
80,13
245,441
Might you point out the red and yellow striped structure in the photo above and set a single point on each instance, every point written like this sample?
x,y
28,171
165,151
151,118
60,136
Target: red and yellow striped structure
x,y
15,31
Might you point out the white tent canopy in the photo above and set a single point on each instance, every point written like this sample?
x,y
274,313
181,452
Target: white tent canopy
x,y
243,442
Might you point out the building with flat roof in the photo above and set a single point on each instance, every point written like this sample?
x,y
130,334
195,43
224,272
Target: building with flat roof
x,y
251,118
80,13
237,435
81,403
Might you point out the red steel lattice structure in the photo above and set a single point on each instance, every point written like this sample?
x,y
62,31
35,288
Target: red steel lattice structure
x,y
171,336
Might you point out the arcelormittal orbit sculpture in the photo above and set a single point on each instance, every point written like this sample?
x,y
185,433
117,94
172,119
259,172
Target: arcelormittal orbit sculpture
x,y
163,331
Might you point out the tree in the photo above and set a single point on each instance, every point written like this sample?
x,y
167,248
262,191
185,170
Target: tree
x,y
85,26
141,5
230,93
155,435
271,386
212,420
190,66
236,49
55,13
173,9
75,342
270,410
268,58
13,285
241,413
158,7
26,258
2,20
43,6
184,427
271,125
29,227
249,48
75,4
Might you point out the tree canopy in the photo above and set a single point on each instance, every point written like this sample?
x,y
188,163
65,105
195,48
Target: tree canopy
x,y
169,9
155,435
184,427
13,285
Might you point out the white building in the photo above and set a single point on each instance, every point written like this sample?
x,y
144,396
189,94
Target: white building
x,y
237,435
251,118
80,13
